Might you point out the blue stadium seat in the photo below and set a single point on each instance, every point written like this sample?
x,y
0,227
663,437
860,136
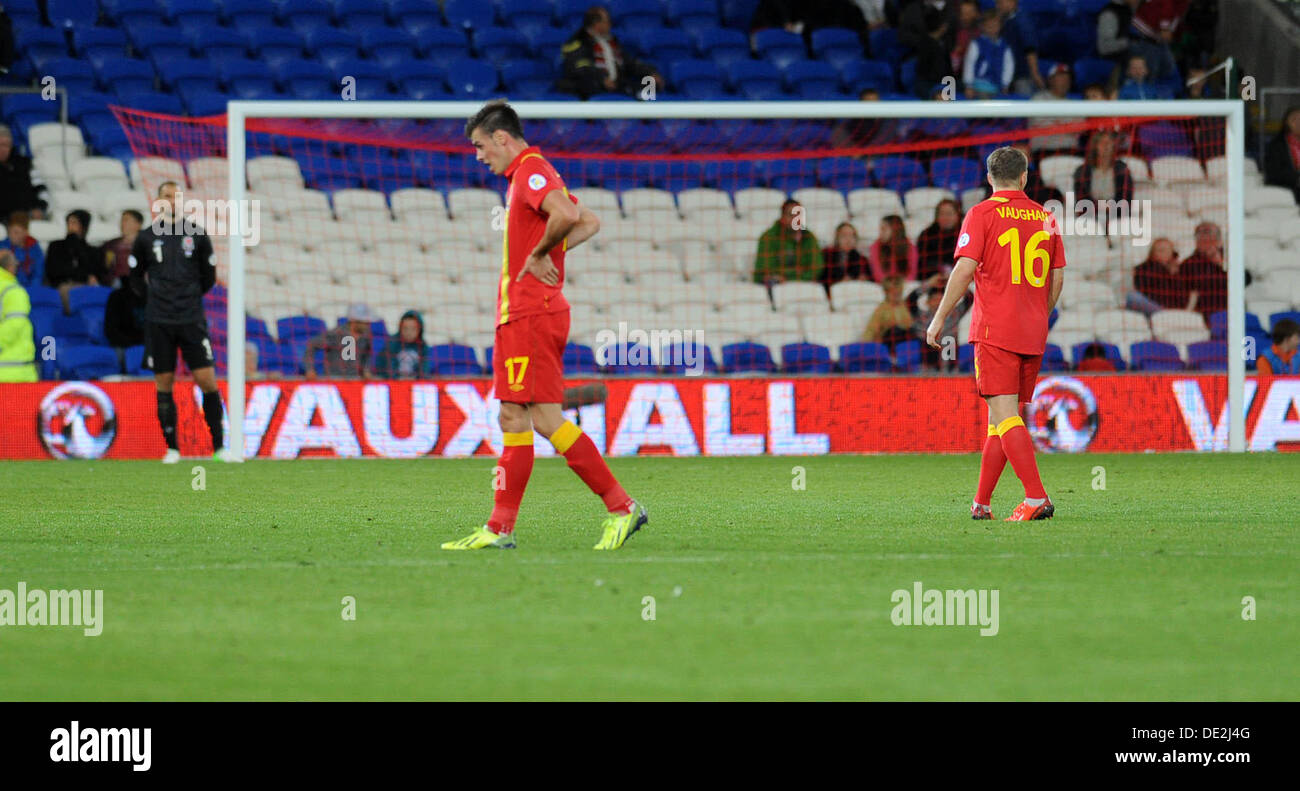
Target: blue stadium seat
x,y
174,71
108,38
237,70
424,89
92,317
1274,318
738,13
885,46
907,357
1112,354
1054,359
255,328
1092,71
899,173
579,359
208,41
291,72
201,100
546,42
33,104
568,13
376,41
44,297
294,329
134,362
747,356
836,45
731,175
629,360
965,358
865,357
469,78
801,73
80,361
453,359
843,173
275,43
806,358
287,10
360,15
629,14
252,89
113,71
858,75
330,37
162,103
524,14
1207,356
1162,139
499,44
956,173
722,46
685,12
661,45
468,14
147,33
1219,325
1155,356
754,72
779,46
674,358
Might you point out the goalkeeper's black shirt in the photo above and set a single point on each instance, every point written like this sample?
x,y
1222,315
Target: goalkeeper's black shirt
x,y
179,272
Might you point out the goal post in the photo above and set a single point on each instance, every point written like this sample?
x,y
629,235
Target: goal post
x,y
243,114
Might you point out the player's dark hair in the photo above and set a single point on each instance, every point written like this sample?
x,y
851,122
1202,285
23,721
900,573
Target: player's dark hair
x,y
137,216
1006,164
592,15
493,116
1285,328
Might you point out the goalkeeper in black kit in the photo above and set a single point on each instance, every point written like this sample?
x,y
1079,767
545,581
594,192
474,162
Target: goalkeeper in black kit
x,y
174,268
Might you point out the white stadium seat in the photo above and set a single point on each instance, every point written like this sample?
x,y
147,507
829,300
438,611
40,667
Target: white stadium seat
x,y
799,296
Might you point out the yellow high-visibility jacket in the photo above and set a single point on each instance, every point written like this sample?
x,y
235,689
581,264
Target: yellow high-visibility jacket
x,y
17,347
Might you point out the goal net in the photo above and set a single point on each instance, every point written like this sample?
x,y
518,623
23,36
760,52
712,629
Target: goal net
x,y
778,240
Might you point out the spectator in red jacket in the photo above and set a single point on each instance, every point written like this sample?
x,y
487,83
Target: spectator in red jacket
x,y
892,253
1103,176
1282,156
1205,268
1163,280
936,244
843,260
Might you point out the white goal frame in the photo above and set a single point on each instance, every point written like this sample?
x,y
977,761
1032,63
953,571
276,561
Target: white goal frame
x,y
238,113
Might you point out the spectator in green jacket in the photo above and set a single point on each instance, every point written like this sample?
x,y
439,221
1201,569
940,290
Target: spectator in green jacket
x,y
788,250
17,346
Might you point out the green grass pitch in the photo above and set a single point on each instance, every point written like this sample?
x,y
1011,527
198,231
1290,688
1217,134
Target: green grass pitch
x,y
761,591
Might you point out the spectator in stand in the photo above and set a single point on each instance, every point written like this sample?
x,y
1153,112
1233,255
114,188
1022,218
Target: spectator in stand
x,y
1095,359
843,260
21,188
891,322
931,358
595,63
937,243
873,13
1138,84
347,348
929,29
1157,24
1161,282
990,64
892,253
1205,268
31,261
71,262
405,354
124,319
1114,30
1095,93
803,17
1020,35
787,250
864,132
117,252
968,29
1282,357
17,342
1103,176
1058,89
1282,155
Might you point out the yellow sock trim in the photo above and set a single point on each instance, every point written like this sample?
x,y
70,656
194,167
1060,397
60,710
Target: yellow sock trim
x,y
993,431
565,436
1009,424
515,439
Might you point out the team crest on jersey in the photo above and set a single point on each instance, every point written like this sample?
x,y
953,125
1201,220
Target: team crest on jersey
x,y
536,181
157,250
1062,418
963,240
187,245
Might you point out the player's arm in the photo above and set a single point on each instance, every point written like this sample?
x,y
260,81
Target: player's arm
x,y
207,269
958,282
1058,282
587,227
562,216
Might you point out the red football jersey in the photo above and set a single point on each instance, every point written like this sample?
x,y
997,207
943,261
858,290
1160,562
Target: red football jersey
x,y
1008,236
531,179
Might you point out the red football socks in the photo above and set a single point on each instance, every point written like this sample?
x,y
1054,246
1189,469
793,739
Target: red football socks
x,y
509,480
585,460
992,462
1019,449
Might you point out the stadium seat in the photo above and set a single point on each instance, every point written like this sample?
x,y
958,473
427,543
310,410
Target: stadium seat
x,y
865,357
579,359
44,297
1274,318
134,360
779,46
471,79
800,74
956,173
468,14
858,75
898,173
1054,359
1092,71
498,44
721,45
1207,356
79,361
1155,356
747,357
806,358
1163,139
629,360
88,296
907,357
453,359
673,359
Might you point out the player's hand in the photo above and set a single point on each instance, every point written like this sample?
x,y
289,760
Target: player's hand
x,y
541,268
932,333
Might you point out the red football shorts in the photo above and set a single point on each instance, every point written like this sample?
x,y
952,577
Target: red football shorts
x,y
528,359
1000,372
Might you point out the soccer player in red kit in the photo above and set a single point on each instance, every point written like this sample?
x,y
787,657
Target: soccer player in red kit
x,y
542,221
1010,248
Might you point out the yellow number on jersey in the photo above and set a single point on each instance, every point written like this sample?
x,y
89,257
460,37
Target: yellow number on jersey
x,y
513,377
1033,254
